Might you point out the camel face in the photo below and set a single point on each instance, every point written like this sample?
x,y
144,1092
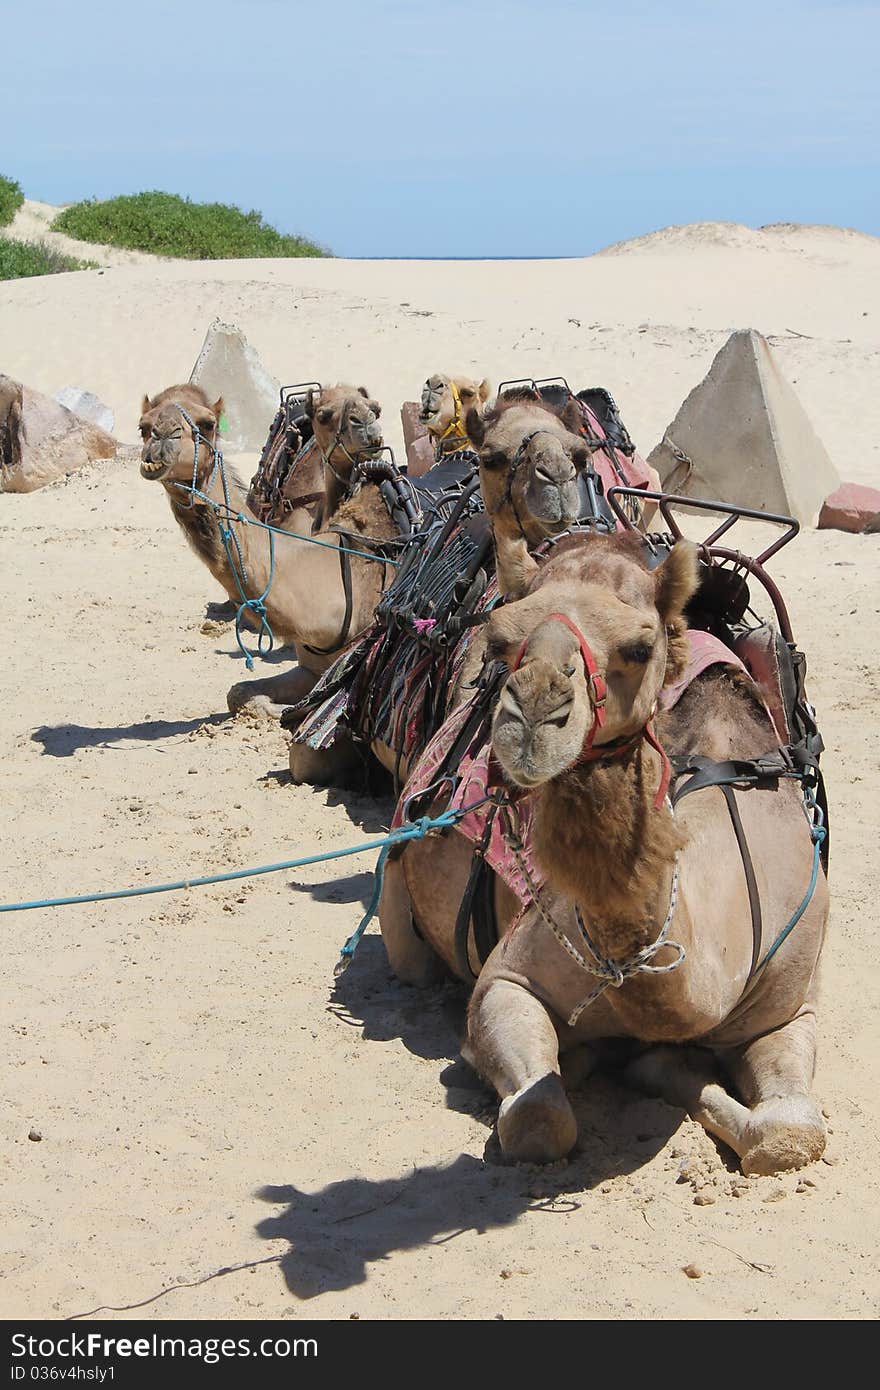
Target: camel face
x,y
624,612
169,447
441,413
346,422
544,458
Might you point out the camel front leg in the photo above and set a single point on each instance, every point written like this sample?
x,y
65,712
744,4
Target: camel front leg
x,y
512,1042
774,1075
272,695
686,1077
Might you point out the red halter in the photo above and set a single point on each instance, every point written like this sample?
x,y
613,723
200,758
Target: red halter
x,y
598,694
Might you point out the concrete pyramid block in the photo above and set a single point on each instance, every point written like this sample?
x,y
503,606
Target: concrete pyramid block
x,y
742,436
227,366
42,441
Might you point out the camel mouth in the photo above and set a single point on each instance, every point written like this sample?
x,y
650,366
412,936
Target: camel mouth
x,y
154,470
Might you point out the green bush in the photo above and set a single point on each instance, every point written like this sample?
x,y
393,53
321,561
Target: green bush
x,y
166,225
21,258
11,199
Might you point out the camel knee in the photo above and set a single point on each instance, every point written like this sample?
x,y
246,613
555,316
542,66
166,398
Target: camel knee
x,y
783,1133
323,767
537,1124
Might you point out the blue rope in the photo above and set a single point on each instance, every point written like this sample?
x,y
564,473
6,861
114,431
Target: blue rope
x,y
414,831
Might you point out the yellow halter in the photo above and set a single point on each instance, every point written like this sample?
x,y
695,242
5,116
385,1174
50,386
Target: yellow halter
x,y
455,428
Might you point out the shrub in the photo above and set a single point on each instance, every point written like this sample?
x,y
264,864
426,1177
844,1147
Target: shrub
x,y
11,199
21,258
166,225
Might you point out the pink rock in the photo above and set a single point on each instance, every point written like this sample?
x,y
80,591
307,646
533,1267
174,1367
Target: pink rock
x,y
852,507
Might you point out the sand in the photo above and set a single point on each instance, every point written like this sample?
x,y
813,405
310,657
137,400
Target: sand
x,y
224,1132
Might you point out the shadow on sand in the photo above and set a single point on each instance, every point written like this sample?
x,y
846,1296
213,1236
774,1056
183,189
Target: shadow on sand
x,y
63,740
335,1234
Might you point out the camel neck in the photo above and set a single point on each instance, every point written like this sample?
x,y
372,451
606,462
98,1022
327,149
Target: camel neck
x,y
601,843
201,523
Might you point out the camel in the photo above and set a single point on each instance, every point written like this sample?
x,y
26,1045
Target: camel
x,y
527,503
446,400
305,603
528,463
633,894
319,477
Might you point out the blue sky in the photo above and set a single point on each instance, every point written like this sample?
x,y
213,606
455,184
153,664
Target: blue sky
x,y
488,128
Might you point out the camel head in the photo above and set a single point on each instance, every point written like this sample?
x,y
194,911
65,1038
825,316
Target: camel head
x,y
550,710
169,446
529,464
446,401
346,424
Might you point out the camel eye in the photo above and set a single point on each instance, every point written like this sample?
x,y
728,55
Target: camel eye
x,y
639,653
568,669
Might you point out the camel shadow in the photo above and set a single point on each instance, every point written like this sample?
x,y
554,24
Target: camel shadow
x,y
429,1023
337,1233
63,740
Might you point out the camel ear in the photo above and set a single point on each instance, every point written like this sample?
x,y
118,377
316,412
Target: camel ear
x,y
309,406
362,390
218,408
571,417
146,404
476,430
484,390
375,407
677,580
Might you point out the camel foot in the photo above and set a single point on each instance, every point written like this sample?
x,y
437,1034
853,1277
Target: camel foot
x,y
782,1134
536,1124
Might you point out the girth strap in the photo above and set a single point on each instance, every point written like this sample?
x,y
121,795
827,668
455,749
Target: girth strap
x,y
477,905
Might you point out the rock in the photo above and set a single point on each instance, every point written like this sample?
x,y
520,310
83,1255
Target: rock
x,y
42,441
742,436
692,1271
705,1199
87,406
852,507
227,366
35,1136
419,449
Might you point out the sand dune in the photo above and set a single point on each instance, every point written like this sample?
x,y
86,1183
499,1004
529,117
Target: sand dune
x,y
205,1097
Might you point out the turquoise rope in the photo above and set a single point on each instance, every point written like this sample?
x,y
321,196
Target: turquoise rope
x,y
415,831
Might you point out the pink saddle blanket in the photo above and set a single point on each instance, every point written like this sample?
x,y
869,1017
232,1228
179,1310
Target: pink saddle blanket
x,y
477,774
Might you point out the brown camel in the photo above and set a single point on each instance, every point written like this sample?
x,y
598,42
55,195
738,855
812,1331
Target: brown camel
x,y
528,465
530,457
628,885
446,401
319,477
306,602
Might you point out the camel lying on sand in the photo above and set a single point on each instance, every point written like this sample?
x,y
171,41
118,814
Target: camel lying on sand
x,y
446,401
306,604
318,477
629,893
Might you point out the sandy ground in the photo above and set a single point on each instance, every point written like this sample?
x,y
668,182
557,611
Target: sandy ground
x,y
227,1134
